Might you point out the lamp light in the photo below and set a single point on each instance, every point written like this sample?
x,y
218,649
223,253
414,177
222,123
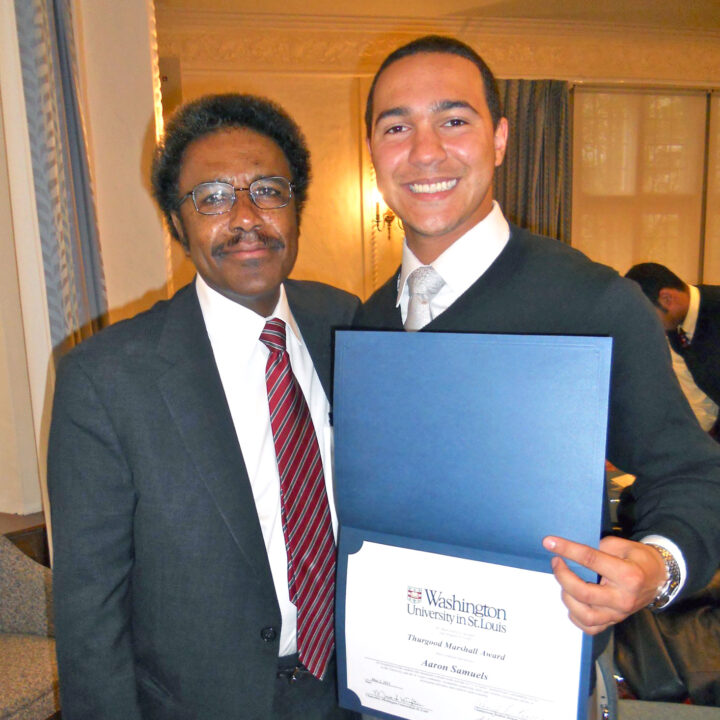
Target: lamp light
x,y
383,219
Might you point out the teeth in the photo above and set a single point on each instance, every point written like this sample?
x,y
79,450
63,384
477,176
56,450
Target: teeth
x,y
433,187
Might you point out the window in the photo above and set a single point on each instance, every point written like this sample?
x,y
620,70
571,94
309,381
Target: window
x,y
639,182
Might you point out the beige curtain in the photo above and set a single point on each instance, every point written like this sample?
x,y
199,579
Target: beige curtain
x,y
638,194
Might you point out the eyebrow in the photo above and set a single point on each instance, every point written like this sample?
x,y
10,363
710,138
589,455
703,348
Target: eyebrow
x,y
228,181
438,107
444,105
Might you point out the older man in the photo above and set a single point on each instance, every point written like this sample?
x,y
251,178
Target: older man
x,y
436,134
189,465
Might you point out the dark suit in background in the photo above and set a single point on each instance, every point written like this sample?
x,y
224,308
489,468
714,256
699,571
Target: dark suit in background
x,y
702,355
145,466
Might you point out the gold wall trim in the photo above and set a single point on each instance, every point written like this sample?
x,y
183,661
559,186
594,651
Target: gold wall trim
x,y
460,24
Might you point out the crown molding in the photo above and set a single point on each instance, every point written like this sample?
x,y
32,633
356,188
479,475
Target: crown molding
x,y
228,43
171,19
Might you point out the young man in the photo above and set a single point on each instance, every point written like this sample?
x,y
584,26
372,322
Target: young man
x,y
436,134
690,316
180,588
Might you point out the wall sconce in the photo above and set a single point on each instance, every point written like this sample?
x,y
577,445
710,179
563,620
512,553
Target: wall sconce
x,y
382,220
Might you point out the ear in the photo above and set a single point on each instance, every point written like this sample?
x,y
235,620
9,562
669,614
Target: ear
x,y
667,299
180,230
501,136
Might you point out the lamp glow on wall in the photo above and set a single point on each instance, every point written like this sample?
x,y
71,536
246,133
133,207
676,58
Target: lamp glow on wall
x,y
382,255
384,216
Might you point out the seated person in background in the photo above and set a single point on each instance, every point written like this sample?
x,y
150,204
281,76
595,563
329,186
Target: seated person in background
x,y
691,317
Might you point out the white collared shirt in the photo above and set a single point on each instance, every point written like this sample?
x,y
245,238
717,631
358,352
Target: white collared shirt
x,y
705,410
690,321
461,264
234,333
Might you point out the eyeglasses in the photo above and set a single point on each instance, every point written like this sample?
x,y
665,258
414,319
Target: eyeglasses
x,y
216,198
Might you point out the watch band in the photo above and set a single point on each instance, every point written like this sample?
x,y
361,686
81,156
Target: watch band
x,y
672,570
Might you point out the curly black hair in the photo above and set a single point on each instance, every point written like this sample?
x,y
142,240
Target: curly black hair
x,y
439,44
211,113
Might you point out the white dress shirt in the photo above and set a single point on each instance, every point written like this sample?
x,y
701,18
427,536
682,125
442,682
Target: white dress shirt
x,y
706,411
690,321
461,265
234,333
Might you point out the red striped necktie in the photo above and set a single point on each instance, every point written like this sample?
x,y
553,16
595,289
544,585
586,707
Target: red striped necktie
x,y
304,505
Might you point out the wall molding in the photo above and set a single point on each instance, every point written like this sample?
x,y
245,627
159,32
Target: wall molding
x,y
203,20
226,42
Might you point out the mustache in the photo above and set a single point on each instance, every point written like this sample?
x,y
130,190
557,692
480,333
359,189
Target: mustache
x,y
271,242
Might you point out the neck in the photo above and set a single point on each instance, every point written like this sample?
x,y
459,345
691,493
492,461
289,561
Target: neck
x,y
428,248
426,253
262,304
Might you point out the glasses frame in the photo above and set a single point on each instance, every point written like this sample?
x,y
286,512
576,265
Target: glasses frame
x,y
248,189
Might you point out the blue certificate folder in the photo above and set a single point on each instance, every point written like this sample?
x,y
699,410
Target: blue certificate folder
x,y
469,445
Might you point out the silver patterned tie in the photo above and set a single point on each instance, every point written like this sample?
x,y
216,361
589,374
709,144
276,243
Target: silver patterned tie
x,y
423,284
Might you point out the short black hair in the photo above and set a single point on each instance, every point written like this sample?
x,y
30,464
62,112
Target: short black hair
x,y
653,277
212,113
440,44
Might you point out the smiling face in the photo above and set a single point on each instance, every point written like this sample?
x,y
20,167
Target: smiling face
x,y
246,253
434,148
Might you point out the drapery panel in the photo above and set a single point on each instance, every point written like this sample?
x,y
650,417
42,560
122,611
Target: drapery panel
x,y
74,278
534,183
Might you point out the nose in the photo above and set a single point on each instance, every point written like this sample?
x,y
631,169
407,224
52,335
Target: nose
x,y
244,214
427,146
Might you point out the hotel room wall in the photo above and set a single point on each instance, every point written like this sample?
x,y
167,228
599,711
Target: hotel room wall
x,y
319,69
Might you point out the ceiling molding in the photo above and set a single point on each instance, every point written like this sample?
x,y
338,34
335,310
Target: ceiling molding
x,y
228,42
208,20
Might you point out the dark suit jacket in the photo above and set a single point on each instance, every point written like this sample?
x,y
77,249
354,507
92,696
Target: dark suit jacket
x,y
541,286
702,356
164,600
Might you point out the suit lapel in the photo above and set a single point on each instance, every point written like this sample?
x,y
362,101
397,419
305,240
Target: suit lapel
x,y
193,392
315,331
391,317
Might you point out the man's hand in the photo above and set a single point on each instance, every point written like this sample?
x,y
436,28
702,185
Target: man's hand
x,y
630,575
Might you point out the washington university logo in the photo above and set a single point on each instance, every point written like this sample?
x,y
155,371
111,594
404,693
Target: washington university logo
x,y
414,594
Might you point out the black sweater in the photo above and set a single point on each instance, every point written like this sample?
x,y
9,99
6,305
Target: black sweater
x,y
541,286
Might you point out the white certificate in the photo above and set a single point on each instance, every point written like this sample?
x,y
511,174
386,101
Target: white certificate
x,y
436,636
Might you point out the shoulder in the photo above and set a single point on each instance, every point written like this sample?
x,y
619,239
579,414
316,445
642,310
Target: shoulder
x,y
710,296
382,302
134,336
339,306
556,270
559,260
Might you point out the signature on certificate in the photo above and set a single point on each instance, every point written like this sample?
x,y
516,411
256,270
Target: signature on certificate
x,y
397,699
509,712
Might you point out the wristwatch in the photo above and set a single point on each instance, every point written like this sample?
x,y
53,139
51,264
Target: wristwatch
x,y
672,571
